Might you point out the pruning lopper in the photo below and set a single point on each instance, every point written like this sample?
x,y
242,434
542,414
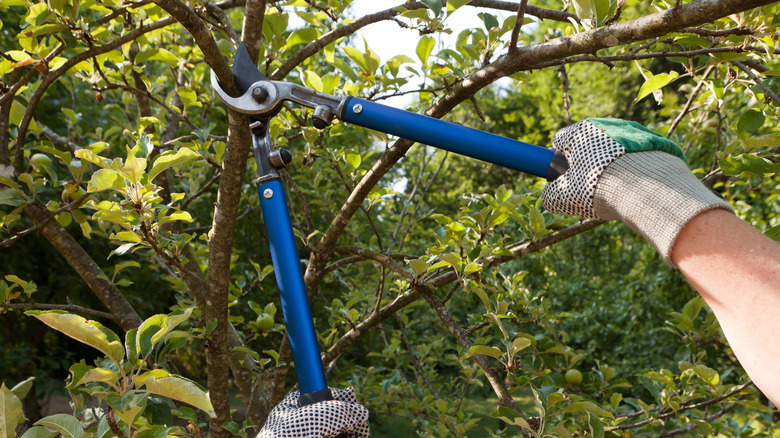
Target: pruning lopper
x,y
262,99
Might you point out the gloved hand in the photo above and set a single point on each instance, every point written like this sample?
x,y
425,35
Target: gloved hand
x,y
326,419
622,170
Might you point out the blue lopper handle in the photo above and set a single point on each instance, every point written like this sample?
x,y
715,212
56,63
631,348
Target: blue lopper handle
x,y
513,154
289,277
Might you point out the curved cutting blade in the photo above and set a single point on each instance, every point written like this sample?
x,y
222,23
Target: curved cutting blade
x,y
244,69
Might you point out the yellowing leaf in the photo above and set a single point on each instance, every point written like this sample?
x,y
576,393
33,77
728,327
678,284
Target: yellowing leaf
x,y
485,351
84,330
10,412
105,179
182,390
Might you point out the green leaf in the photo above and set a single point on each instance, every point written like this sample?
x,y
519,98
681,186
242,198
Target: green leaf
x,y
655,83
434,5
596,426
106,179
39,432
43,29
602,10
180,389
418,266
452,259
750,121
587,406
156,327
510,416
37,14
170,158
88,155
67,425
424,49
176,216
521,343
302,35
773,233
89,332
707,374
22,388
97,375
747,163
313,80
490,20
763,141
126,236
10,412
157,55
352,159
154,432
442,219
485,350
454,5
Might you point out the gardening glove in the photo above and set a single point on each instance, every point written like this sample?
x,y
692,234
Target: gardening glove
x,y
325,419
622,170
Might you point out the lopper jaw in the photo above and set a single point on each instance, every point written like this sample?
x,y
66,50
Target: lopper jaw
x,y
263,98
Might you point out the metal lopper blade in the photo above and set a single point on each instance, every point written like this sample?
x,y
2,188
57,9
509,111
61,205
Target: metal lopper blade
x,y
245,71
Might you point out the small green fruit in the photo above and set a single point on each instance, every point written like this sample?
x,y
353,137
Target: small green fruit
x,y
40,162
573,377
265,322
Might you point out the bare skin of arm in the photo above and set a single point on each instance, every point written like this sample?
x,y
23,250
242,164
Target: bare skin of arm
x,y
736,269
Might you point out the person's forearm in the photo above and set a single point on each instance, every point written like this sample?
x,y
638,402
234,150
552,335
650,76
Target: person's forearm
x,y
736,269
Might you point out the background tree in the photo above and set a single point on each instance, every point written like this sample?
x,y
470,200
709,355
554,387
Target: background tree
x,y
440,288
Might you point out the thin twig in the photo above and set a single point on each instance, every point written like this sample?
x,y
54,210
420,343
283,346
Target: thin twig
x,y
755,79
707,419
518,24
677,411
689,103
201,191
72,307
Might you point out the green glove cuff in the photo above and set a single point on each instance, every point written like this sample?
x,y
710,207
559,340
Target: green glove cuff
x,y
636,138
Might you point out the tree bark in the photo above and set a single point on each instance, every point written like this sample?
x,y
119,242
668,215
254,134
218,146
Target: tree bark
x,y
220,249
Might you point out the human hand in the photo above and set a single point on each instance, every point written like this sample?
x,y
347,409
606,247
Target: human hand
x,y
325,419
622,170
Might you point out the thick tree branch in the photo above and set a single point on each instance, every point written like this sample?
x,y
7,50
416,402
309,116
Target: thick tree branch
x,y
220,248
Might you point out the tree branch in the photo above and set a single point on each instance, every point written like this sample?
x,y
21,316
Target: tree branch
x,y
677,411
71,307
755,79
518,24
220,249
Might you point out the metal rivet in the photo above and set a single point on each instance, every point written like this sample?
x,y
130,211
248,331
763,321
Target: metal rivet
x,y
357,108
268,193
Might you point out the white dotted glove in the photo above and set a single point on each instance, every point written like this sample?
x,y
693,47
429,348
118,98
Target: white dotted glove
x,y
622,170
325,419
